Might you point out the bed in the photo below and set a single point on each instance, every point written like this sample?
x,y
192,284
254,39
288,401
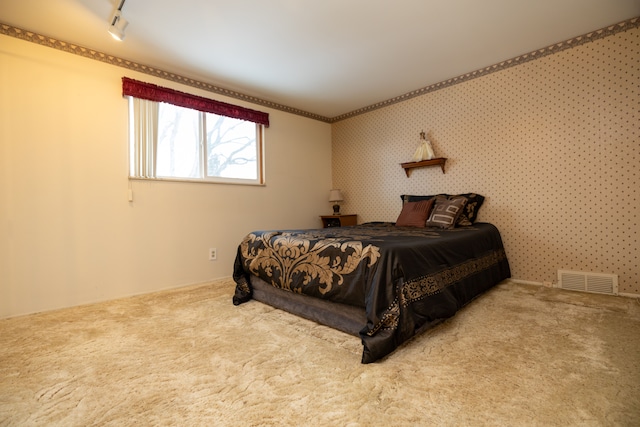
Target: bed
x,y
383,282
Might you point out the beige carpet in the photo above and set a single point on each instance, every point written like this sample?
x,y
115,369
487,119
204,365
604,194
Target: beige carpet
x,y
518,355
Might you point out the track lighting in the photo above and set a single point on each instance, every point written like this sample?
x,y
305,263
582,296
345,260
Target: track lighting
x,y
118,23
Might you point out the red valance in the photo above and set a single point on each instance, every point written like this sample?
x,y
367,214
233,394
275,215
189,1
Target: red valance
x,y
156,93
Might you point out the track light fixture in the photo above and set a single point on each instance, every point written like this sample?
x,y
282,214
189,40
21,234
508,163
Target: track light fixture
x,y
118,23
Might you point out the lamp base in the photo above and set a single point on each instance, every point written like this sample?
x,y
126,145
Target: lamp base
x,y
336,209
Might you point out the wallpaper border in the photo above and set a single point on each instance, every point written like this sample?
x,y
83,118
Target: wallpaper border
x,y
86,52
51,42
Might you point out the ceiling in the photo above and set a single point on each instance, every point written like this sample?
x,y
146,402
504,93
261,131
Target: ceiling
x,y
325,57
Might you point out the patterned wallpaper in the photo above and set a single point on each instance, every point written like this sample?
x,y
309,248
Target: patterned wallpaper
x,y
553,144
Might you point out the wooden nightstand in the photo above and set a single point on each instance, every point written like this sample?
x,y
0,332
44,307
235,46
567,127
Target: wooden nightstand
x,y
338,220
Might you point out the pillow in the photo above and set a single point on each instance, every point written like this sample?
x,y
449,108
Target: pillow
x,y
470,212
406,198
446,211
414,214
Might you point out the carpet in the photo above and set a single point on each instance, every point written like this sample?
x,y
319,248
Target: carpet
x,y
518,355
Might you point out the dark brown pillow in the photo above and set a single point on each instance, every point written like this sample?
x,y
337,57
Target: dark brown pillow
x,y
414,214
445,211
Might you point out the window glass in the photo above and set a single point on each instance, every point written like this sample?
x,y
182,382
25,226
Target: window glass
x,y
178,152
172,142
231,148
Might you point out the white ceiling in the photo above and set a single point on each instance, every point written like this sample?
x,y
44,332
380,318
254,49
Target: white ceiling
x,y
326,57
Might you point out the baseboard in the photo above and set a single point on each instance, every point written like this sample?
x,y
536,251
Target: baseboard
x,y
624,294
169,288
530,282
526,282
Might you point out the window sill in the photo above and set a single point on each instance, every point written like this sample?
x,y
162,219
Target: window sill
x,y
200,181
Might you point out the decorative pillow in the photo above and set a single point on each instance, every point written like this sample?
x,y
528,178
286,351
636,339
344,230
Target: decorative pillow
x,y
446,211
406,198
414,214
470,213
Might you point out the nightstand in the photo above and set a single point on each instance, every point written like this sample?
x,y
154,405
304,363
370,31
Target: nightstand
x,y
338,220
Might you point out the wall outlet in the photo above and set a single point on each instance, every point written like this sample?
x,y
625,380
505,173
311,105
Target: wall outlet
x,y
213,254
547,283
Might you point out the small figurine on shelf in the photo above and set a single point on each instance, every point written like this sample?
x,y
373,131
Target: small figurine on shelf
x,y
424,150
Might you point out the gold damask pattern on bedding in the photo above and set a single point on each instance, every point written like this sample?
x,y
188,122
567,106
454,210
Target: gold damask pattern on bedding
x,y
283,256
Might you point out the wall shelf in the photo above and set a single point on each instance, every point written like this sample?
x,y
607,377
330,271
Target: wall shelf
x,y
409,166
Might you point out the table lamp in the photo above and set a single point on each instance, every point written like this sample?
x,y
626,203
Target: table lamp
x,y
335,196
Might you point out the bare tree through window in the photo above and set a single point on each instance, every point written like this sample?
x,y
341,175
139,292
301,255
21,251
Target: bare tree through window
x,y
231,146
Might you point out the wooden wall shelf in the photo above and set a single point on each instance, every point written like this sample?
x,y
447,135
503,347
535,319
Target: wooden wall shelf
x,y
409,166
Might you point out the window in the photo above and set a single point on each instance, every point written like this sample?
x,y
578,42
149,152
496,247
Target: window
x,y
169,141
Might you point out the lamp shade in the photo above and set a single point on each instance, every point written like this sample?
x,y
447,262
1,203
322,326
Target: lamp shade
x,y
335,196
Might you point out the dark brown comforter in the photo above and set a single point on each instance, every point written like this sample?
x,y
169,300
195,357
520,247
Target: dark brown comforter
x,y
402,277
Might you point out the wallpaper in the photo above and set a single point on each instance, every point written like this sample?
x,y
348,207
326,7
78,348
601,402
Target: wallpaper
x,y
553,144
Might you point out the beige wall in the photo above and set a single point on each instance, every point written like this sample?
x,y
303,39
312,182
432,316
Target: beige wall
x,y
553,144
68,234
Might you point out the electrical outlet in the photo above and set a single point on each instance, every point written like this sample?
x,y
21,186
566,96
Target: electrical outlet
x,y
213,254
547,284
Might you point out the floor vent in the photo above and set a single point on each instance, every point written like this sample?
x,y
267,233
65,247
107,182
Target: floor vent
x,y
588,282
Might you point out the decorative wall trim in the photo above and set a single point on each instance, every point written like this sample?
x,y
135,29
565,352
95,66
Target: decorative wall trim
x,y
131,65
51,42
549,50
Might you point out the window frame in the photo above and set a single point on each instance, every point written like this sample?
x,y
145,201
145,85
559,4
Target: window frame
x,y
153,93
